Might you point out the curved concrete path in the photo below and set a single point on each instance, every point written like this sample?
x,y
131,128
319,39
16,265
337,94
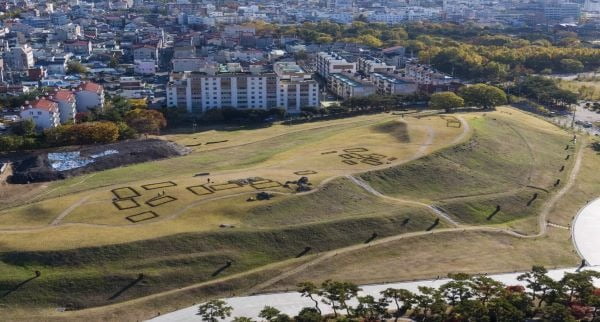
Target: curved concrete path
x,y
586,233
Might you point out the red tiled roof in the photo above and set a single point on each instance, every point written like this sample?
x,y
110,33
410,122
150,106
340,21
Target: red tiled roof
x,y
91,87
44,104
64,95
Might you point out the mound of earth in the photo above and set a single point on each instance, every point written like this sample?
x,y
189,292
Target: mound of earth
x,y
72,161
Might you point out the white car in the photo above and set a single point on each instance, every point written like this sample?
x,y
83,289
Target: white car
x,y
11,118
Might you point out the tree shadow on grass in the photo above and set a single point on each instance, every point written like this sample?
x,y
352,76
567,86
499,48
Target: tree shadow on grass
x,y
18,286
304,252
491,216
128,286
370,239
221,269
435,224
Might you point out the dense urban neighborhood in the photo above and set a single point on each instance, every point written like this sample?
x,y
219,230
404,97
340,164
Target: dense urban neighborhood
x,y
318,160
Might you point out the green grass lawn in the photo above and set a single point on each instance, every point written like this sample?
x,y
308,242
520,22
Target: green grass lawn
x,y
90,276
502,155
337,200
481,210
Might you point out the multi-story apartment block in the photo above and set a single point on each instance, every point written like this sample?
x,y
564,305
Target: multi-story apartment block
x,y
19,58
390,84
66,104
89,96
43,112
230,85
296,88
425,75
331,63
369,66
347,86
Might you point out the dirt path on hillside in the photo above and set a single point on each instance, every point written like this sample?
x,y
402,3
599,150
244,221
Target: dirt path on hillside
x,y
543,223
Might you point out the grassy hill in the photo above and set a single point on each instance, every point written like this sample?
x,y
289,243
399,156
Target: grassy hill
x,y
94,256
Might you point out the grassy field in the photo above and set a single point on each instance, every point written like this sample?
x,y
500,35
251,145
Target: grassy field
x,y
91,276
509,158
90,254
423,258
589,89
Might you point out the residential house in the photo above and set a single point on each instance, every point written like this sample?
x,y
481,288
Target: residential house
x,y
78,47
67,105
43,112
89,96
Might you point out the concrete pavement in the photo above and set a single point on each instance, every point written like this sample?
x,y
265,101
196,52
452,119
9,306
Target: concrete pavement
x,y
586,233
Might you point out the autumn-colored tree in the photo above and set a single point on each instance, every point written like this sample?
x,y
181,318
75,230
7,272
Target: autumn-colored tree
x,y
83,133
146,121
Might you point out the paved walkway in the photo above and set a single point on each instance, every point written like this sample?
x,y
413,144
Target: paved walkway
x,y
586,233
291,303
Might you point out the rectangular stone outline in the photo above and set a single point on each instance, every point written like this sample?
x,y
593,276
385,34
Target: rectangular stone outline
x,y
116,203
150,185
152,204
133,220
114,191
217,187
192,189
354,150
266,185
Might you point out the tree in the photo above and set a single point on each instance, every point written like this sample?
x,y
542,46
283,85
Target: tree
x,y
75,67
337,295
446,100
371,309
83,133
399,296
483,96
23,128
308,289
269,313
557,312
242,319
214,310
538,282
308,314
568,65
146,121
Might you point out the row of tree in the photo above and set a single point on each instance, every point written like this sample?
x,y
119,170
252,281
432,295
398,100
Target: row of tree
x,y
495,63
121,119
545,91
463,298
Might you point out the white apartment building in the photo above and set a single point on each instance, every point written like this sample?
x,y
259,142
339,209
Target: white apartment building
x,y
19,58
44,113
144,67
389,84
67,105
332,63
347,86
369,66
296,88
423,74
232,86
89,96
